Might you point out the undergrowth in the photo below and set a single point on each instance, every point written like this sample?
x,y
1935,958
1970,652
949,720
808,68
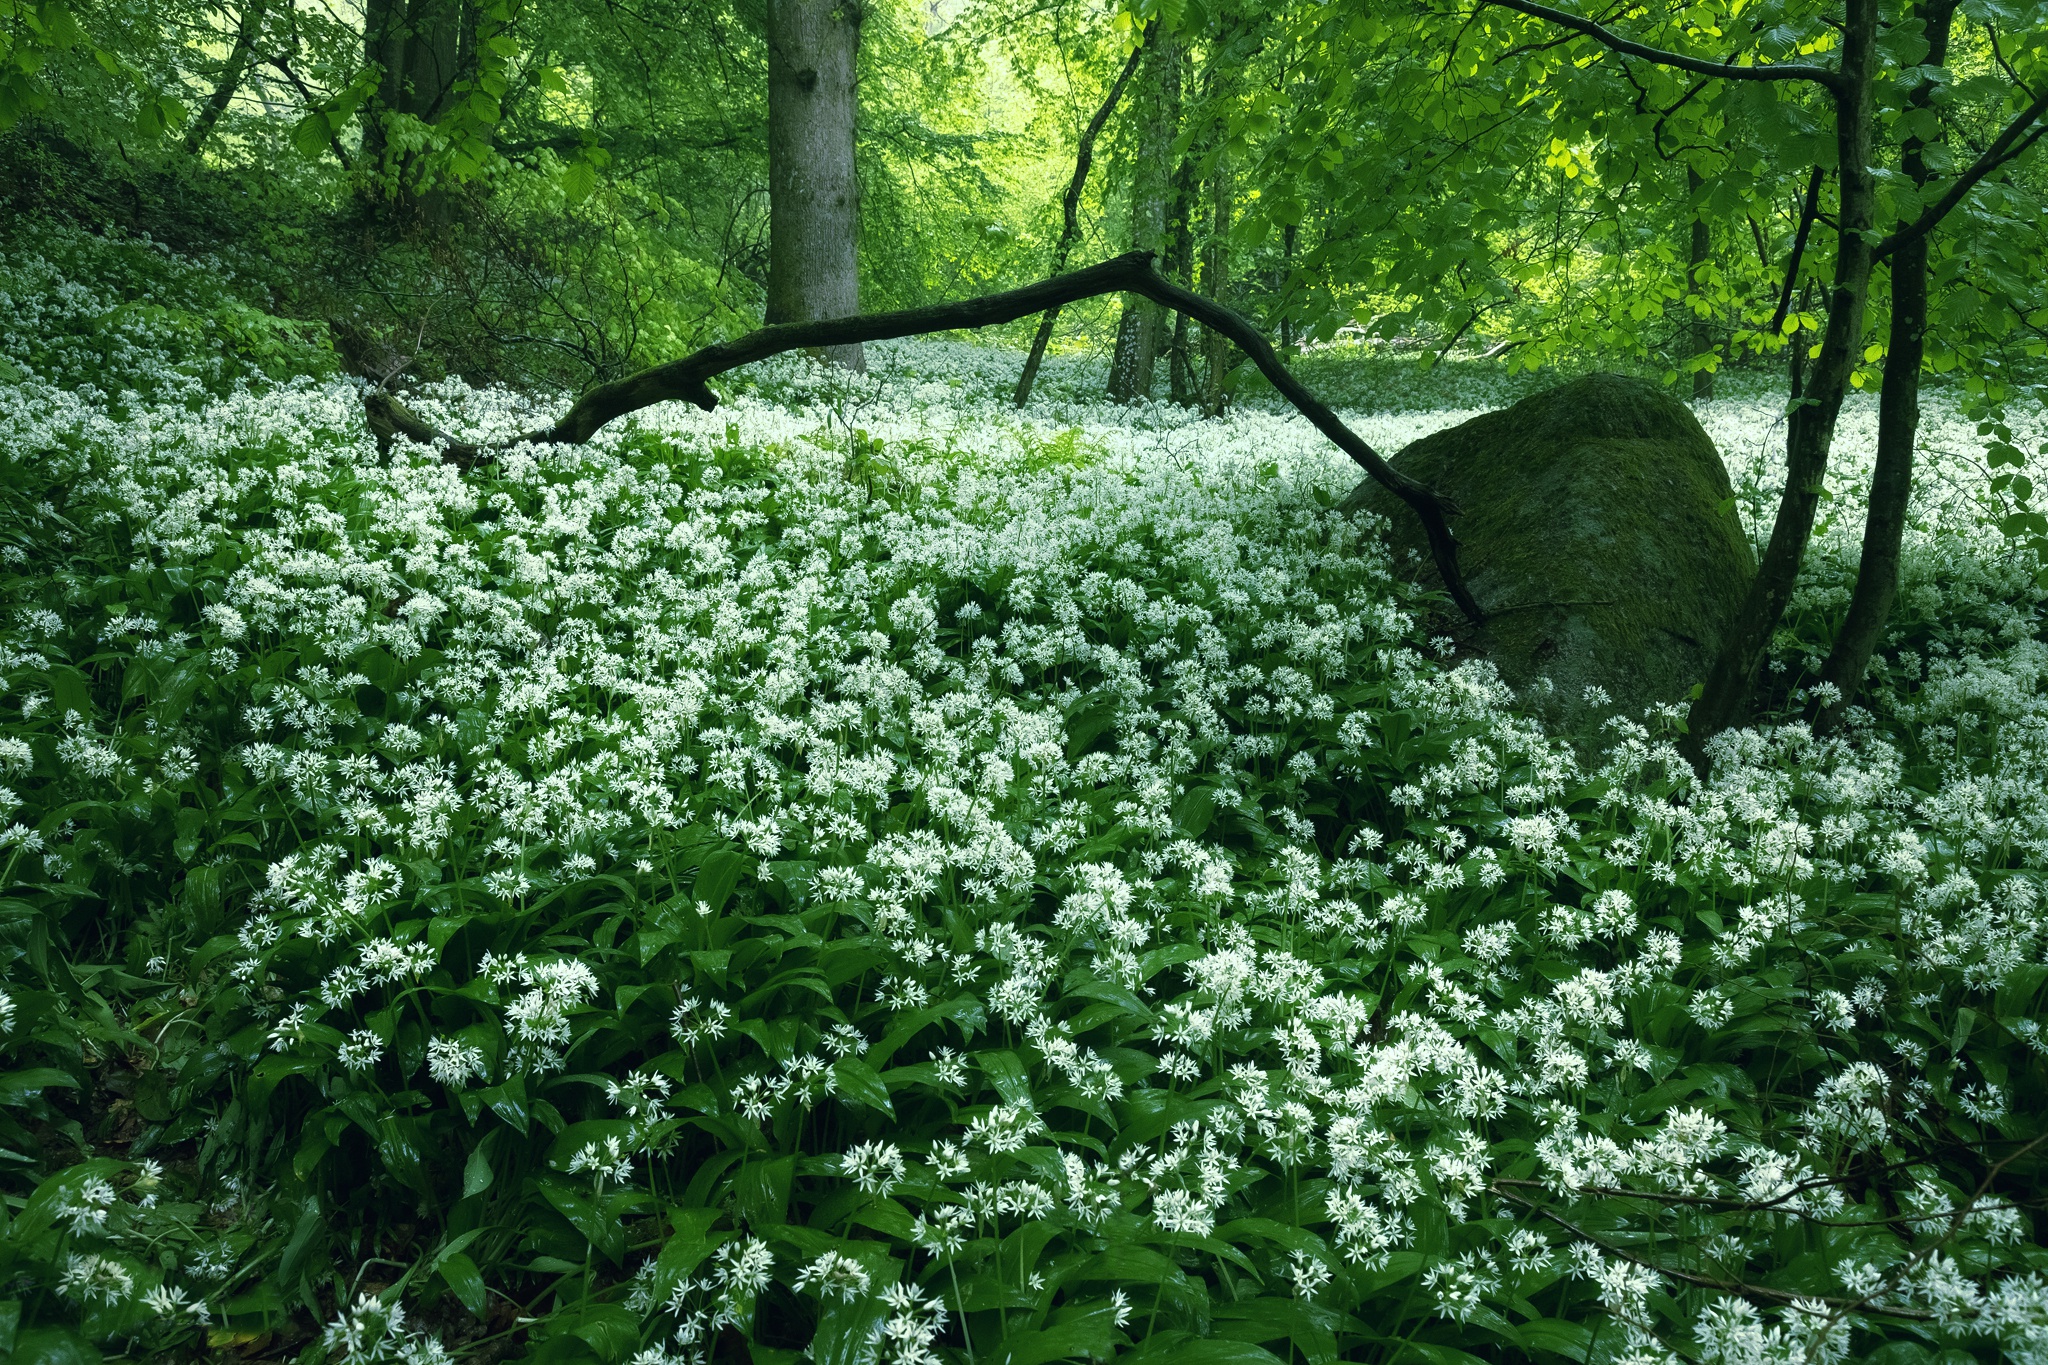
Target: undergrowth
x,y
864,874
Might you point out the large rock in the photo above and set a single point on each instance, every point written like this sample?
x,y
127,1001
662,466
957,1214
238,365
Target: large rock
x,y
1597,530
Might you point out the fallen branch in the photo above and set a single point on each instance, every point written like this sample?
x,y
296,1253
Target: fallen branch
x,y
1131,273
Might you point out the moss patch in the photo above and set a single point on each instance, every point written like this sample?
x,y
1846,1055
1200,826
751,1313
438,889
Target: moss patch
x,y
1597,530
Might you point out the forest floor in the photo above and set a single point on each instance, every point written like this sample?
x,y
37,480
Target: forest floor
x,y
867,871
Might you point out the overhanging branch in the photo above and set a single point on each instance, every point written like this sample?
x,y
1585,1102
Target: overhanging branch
x,y
1628,47
2011,142
1131,273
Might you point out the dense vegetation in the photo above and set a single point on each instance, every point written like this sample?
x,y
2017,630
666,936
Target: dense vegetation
x,y
881,873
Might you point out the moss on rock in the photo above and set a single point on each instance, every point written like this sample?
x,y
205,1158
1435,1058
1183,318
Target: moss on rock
x,y
1597,529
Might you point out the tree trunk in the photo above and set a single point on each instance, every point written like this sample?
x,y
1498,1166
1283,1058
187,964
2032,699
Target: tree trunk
x,y
1180,268
1898,420
1699,332
1141,330
418,45
813,191
1287,237
248,29
1070,219
1725,697
1216,282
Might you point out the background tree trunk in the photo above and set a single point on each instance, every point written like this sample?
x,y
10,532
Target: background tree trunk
x,y
1070,219
1699,332
1141,328
1725,696
1180,268
1898,419
1216,284
248,31
419,46
813,191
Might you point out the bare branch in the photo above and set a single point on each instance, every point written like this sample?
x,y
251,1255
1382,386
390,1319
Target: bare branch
x,y
1606,37
1809,212
1070,215
2012,141
1131,273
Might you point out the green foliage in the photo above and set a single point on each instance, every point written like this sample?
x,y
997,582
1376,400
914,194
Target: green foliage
x,y
777,877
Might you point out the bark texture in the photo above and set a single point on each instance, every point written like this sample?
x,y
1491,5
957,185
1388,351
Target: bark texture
x,y
1898,418
420,47
1725,696
1141,332
813,190
1699,331
241,56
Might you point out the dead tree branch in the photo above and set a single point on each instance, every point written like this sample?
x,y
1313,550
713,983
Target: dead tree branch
x,y
1131,273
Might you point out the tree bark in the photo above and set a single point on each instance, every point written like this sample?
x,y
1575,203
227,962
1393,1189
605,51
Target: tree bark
x,y
1287,239
1140,329
1216,283
1180,268
1898,419
248,29
813,190
1070,219
1131,273
419,47
1725,696
1699,332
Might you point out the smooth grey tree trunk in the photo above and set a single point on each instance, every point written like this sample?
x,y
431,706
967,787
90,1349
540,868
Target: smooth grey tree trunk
x,y
813,190
1141,331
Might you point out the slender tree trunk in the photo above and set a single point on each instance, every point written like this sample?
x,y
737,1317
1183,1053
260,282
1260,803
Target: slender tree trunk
x,y
248,30
1140,330
1180,268
1898,420
1216,282
1287,239
813,191
1070,219
1725,696
1699,332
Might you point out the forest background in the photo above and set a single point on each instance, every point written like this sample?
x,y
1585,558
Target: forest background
x,y
381,981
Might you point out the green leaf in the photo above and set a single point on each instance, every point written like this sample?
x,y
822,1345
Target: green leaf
x,y
685,1250
717,878
17,1086
858,1082
762,1189
466,1281
579,181
1178,1350
609,1328
1092,1337
592,1219
476,1173
311,136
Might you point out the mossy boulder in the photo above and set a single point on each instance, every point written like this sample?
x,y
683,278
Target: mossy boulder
x,y
1597,530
